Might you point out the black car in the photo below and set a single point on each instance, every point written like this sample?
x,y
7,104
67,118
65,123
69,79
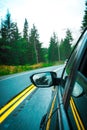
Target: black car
x,y
68,108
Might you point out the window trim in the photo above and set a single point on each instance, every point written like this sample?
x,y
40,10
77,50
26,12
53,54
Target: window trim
x,y
80,49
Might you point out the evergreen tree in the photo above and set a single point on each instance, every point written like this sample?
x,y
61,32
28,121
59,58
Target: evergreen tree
x,y
5,43
65,46
15,32
25,30
44,54
9,29
69,36
62,53
53,49
25,40
34,46
9,34
15,50
5,27
84,22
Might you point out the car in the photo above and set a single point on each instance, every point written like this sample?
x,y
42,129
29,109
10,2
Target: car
x,y
68,107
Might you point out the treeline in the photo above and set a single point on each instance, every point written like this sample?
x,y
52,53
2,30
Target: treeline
x,y
25,48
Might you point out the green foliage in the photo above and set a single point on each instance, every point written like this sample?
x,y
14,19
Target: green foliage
x,y
25,30
9,35
5,69
18,50
35,47
84,22
44,55
33,41
53,49
27,49
65,46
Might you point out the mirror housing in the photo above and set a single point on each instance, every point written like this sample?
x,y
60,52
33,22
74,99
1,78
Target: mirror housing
x,y
44,79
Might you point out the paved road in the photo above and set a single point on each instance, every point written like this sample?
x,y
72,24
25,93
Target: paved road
x,y
22,105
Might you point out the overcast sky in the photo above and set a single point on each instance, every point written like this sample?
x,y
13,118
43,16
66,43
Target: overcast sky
x,y
48,16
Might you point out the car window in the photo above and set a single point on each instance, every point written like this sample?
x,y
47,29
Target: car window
x,y
77,111
77,52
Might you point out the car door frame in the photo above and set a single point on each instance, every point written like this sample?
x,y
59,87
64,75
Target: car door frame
x,y
64,97
72,76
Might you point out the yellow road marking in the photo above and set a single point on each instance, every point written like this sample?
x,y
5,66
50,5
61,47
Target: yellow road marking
x,y
15,99
77,118
6,114
48,123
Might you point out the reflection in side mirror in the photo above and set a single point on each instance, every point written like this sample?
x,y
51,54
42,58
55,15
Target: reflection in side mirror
x,y
43,79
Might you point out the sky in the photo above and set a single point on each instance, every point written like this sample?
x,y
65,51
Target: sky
x,y
47,15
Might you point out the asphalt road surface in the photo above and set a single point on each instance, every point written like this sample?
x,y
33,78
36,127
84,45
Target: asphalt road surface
x,y
22,105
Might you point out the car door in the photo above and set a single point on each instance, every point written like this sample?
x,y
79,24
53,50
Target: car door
x,y
75,86
77,111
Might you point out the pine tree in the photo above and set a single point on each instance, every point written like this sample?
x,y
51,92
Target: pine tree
x,y
18,50
9,35
5,27
84,22
69,36
65,46
25,30
34,46
5,43
53,49
44,55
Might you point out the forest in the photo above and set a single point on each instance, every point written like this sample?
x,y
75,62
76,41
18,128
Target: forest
x,y
25,48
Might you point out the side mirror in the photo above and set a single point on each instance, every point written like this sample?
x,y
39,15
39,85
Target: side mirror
x,y
44,79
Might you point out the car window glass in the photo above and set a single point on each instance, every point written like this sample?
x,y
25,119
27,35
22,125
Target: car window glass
x,y
72,59
77,90
77,110
81,80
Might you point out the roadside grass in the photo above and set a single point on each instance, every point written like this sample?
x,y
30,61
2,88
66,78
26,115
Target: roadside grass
x,y
5,69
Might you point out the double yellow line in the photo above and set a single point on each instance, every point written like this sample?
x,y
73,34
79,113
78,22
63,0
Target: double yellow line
x,y
8,108
76,116
51,110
